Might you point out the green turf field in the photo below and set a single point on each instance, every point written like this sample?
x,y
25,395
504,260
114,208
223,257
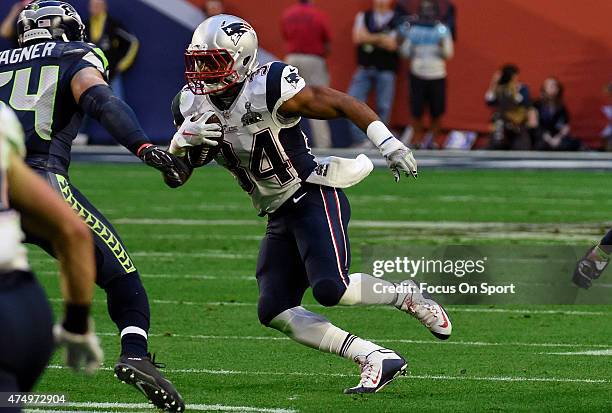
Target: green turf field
x,y
199,277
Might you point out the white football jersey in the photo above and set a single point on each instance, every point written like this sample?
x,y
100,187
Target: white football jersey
x,y
12,252
267,153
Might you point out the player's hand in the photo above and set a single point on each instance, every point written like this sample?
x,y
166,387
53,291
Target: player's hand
x,y
174,170
81,350
194,132
402,160
399,158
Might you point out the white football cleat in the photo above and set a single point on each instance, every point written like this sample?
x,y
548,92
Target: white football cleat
x,y
422,307
378,369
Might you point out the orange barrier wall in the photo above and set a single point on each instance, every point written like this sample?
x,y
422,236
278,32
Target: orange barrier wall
x,y
566,38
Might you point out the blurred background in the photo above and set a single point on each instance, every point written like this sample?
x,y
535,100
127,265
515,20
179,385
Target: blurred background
x,y
563,40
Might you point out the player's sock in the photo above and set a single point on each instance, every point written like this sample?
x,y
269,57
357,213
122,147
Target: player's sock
x,y
314,330
369,290
128,307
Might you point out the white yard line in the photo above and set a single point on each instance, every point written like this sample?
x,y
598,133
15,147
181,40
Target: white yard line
x,y
431,225
417,377
204,277
607,352
190,222
201,254
510,311
380,340
196,407
384,308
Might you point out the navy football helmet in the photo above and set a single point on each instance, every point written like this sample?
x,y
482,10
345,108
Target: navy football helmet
x,y
46,20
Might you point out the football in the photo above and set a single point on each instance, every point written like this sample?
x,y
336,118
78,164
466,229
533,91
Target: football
x,y
200,155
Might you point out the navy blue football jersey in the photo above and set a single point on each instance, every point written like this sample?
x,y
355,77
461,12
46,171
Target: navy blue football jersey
x,y
35,83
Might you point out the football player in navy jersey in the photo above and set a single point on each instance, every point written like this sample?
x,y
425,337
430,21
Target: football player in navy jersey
x,y
306,242
51,82
25,314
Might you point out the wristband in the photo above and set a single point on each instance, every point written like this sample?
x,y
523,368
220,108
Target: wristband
x,y
143,147
76,318
378,133
382,137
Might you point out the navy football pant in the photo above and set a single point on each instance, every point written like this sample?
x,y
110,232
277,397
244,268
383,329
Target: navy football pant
x,y
306,245
127,299
112,259
26,338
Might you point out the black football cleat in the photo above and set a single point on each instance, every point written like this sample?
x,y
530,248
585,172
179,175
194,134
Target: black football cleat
x,y
589,268
378,369
143,373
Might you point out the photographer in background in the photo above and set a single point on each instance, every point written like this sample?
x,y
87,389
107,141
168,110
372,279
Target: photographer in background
x,y
428,44
119,45
515,121
553,119
376,38
446,12
9,24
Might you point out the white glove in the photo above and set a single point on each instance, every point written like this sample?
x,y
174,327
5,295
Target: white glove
x,y
399,158
81,349
194,132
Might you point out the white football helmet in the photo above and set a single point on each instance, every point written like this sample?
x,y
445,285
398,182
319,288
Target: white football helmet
x,y
223,52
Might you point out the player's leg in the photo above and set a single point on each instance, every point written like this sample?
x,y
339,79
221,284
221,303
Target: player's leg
x,y
282,282
594,262
127,302
322,235
25,317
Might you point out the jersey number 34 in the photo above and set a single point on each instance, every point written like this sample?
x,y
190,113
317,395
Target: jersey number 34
x,y
266,162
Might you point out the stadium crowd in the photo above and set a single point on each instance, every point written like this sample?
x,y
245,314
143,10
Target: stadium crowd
x,y
423,33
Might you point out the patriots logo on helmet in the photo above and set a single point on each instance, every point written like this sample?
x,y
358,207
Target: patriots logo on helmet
x,y
293,79
235,31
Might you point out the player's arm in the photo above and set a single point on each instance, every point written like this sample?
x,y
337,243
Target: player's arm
x,y
192,130
97,100
49,217
318,102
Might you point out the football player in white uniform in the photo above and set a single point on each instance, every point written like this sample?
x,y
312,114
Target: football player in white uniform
x,y
26,321
306,242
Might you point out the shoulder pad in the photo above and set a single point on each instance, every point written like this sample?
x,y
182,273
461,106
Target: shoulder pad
x,y
88,52
283,82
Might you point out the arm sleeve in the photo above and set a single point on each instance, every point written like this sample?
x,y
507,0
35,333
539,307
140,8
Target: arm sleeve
x,y
115,116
